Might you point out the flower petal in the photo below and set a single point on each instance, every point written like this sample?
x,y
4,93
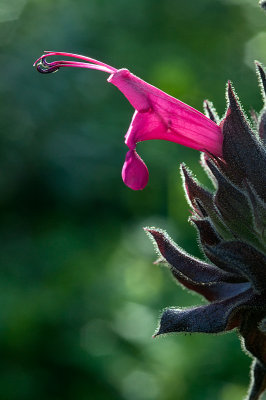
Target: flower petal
x,y
163,117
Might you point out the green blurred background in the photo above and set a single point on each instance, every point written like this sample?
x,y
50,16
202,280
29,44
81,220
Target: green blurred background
x,y
80,297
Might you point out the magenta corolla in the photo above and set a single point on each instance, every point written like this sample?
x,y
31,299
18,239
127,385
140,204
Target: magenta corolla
x,y
157,116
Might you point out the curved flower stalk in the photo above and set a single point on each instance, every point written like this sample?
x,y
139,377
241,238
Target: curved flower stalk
x,y
157,116
231,223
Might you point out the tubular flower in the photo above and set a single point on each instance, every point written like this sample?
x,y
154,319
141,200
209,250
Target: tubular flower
x,y
231,224
157,116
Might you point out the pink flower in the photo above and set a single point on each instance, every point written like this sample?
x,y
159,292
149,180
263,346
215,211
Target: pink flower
x,y
157,116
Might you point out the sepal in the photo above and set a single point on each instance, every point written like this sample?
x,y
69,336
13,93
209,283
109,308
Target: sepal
x,y
194,274
210,111
253,339
258,381
258,208
201,200
211,318
242,151
262,117
243,260
262,79
262,126
189,267
194,191
207,232
232,204
263,4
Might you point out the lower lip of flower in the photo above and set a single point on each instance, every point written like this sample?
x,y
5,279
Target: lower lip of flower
x,y
135,174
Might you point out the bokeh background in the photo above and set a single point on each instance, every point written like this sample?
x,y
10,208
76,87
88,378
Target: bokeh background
x,y
79,294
